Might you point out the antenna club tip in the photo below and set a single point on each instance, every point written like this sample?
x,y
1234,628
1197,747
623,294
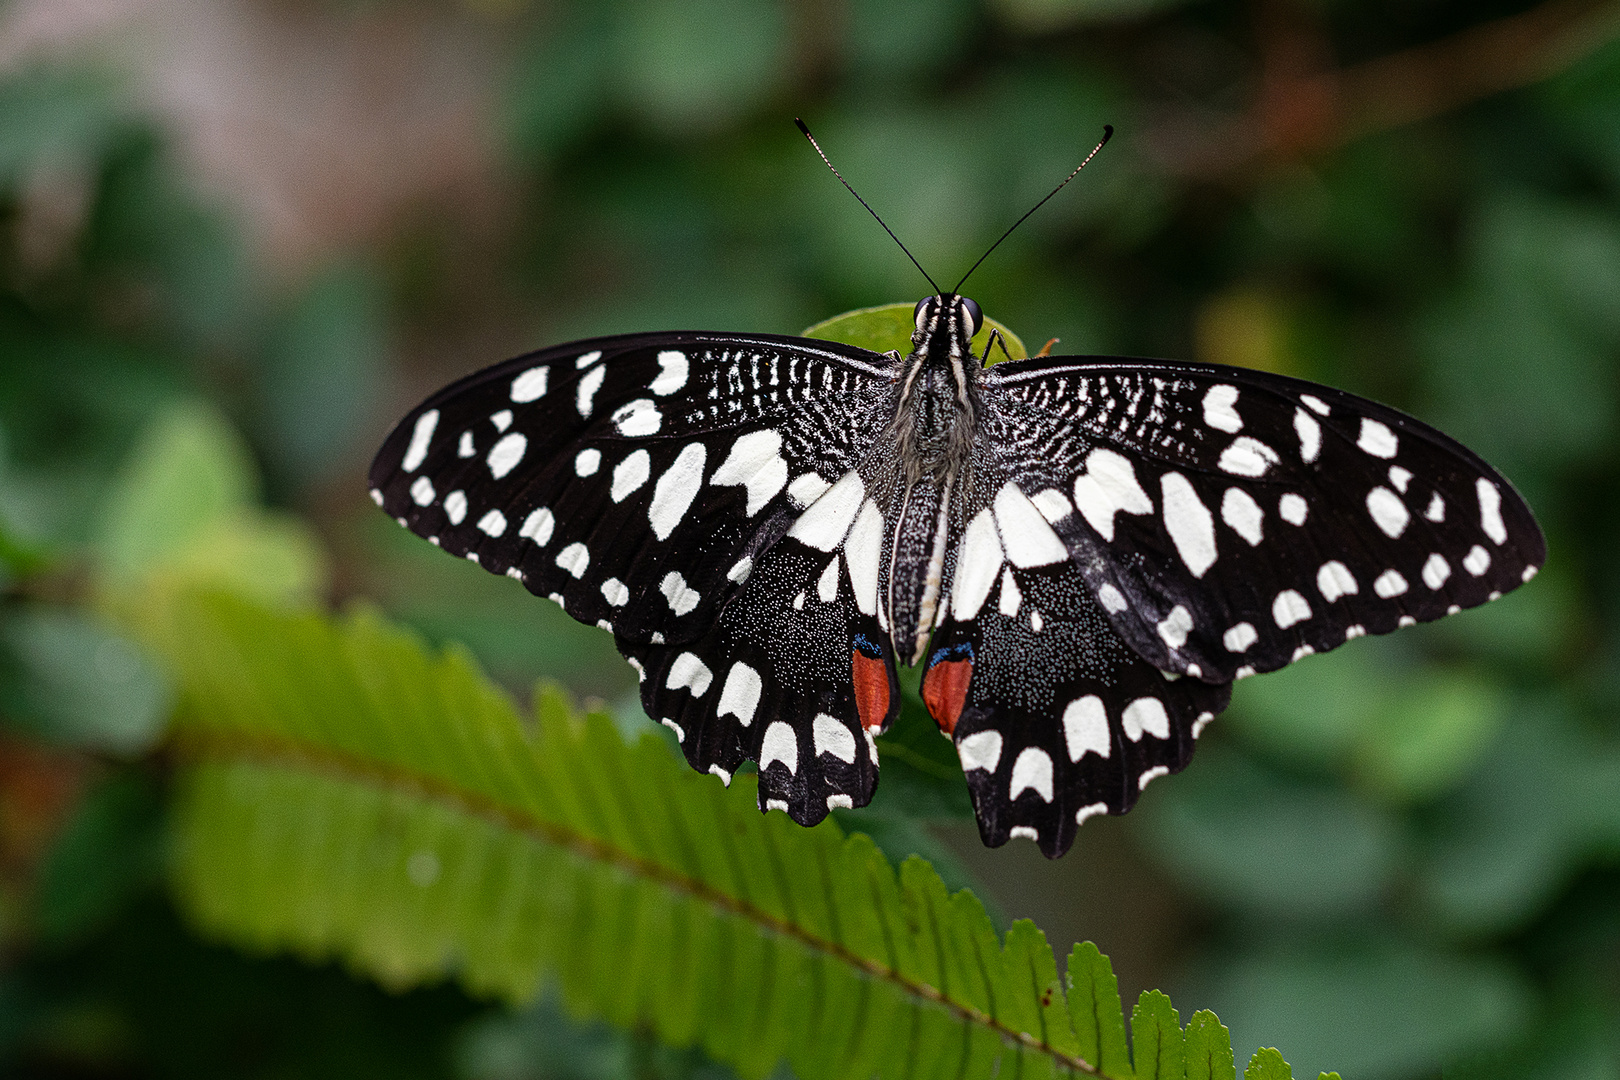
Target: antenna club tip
x,y
1108,132
801,125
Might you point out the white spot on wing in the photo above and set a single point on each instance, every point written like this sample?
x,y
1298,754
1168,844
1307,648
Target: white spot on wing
x,y
587,461
1145,714
1376,439
1388,512
755,463
1023,832
1091,811
1247,457
1437,508
1310,435
630,474
1315,404
585,360
455,506
422,491
716,770
863,553
1290,608
1025,536
1032,771
680,734
833,738
827,583
1334,580
585,392
825,524
1176,626
1053,504
740,570
981,750
615,592
1107,487
978,560
505,455
1218,411
421,438
840,802
1490,510
1401,478
1436,570
1085,727
502,419
1243,514
1477,561
681,599
672,373
1389,584
574,558
537,526
530,385
1240,637
1292,509
1189,523
807,489
740,696
1010,597
688,671
779,744
466,448
638,418
493,523
1150,775
1112,599
675,490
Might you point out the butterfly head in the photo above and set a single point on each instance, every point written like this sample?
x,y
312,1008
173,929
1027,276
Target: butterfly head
x,y
946,323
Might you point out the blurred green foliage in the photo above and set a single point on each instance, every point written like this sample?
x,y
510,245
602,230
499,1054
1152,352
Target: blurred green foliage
x,y
1398,860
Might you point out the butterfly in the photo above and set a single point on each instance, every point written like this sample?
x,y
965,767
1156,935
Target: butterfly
x,y
1083,553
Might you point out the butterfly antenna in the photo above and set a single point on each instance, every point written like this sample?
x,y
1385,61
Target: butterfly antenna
x,y
1108,133
869,209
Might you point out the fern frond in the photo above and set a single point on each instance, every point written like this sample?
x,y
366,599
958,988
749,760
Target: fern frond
x,y
346,795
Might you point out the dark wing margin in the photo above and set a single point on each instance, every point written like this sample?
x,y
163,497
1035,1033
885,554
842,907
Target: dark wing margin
x,y
1230,521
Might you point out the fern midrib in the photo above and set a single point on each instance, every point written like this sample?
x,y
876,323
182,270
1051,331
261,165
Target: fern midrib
x,y
195,745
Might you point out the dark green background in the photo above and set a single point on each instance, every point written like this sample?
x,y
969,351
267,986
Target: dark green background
x,y
1399,859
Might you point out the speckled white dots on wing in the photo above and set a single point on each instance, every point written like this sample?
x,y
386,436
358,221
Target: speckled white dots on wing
x,y
981,750
531,385
978,562
585,392
779,744
740,695
671,374
686,670
421,439
1025,536
1145,715
505,455
1189,523
675,490
832,737
1031,771
1085,727
756,464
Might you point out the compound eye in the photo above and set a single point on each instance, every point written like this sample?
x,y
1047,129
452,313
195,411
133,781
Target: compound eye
x,y
921,314
972,317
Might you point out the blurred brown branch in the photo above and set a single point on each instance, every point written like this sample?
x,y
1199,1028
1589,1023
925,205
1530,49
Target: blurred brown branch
x,y
1305,104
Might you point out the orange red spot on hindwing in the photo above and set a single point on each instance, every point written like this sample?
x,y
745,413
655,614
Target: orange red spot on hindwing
x,y
944,691
871,679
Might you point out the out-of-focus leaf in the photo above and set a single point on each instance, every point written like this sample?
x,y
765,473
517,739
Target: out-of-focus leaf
x,y
1046,16
889,327
559,80
1427,737
1378,1009
50,111
321,372
1313,713
76,683
696,64
1546,796
889,40
189,471
109,852
1237,834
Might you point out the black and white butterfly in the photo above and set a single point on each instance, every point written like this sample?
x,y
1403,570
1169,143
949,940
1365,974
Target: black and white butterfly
x,y
1082,552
